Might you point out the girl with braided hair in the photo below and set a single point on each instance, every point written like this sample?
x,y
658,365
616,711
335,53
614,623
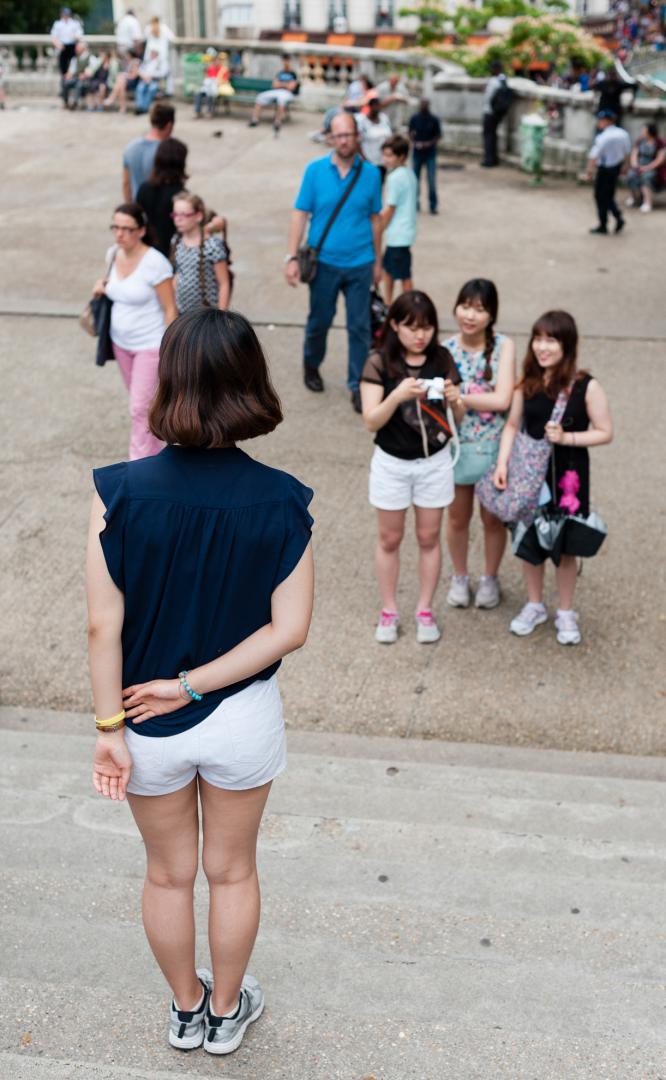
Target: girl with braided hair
x,y
486,361
201,262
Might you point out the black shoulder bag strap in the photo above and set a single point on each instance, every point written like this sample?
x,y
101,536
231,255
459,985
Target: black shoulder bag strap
x,y
345,195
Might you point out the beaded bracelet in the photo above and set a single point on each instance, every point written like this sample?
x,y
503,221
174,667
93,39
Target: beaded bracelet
x,y
182,675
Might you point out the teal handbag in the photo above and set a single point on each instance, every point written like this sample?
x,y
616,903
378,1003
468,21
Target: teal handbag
x,y
475,460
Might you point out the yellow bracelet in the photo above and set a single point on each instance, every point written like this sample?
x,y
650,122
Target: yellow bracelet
x,y
111,721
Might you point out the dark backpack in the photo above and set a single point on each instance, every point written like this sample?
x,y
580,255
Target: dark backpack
x,y
501,100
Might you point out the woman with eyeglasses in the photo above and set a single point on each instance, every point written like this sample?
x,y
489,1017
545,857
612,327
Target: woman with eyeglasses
x,y
139,281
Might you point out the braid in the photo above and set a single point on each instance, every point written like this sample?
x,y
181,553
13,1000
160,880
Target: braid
x,y
202,270
488,353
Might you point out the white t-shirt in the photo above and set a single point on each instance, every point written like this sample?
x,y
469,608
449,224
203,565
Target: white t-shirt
x,y
160,45
128,32
67,31
137,317
373,137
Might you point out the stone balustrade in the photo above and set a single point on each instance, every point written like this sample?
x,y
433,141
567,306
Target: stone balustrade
x,y
31,64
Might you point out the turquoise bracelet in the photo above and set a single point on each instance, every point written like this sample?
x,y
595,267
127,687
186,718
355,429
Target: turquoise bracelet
x,y
182,675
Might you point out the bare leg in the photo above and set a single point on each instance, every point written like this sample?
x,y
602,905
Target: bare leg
x,y
387,559
231,822
534,580
169,826
428,535
646,192
565,578
407,285
494,539
457,527
388,289
256,114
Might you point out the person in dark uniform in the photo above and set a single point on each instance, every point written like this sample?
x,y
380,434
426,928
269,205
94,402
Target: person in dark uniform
x,y
551,369
425,131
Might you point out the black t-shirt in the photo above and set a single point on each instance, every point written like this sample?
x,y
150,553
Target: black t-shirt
x,y
157,201
537,412
424,127
402,436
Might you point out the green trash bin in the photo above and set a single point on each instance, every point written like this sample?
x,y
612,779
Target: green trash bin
x,y
532,133
193,73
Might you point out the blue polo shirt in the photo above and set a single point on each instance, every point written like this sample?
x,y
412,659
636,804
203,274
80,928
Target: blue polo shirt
x,y
349,242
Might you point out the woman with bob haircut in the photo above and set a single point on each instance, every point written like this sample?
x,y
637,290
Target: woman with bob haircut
x,y
199,581
550,368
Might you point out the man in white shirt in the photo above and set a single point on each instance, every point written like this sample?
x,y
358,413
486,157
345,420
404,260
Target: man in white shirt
x,y
374,129
129,39
610,153
65,33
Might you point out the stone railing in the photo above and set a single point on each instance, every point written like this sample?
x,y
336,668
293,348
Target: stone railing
x,y
31,64
458,101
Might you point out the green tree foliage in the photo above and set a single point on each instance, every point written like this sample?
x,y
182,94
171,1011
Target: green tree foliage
x,y
35,16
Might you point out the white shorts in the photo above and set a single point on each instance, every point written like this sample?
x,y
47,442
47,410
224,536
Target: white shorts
x,y
240,745
274,97
396,484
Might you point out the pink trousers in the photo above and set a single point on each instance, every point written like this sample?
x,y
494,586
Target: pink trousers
x,y
139,372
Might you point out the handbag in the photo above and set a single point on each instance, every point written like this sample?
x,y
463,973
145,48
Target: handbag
x,y
528,464
307,256
95,319
476,458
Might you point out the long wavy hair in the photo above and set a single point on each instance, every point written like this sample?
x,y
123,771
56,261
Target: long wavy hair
x,y
483,291
535,379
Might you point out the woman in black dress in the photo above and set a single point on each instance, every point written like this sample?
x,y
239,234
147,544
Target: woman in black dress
x,y
550,367
155,195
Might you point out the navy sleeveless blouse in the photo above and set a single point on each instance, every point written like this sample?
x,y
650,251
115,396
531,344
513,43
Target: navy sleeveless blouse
x,y
197,541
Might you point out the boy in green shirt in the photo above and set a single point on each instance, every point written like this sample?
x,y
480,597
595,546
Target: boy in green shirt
x,y
398,216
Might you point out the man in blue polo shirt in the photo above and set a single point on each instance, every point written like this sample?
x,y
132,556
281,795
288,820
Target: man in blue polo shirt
x,y
350,258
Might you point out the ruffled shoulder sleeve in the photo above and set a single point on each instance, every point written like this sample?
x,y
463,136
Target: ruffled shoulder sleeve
x,y
297,528
111,485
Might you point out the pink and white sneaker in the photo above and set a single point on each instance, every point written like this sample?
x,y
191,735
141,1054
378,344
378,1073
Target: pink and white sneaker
x,y
427,630
387,627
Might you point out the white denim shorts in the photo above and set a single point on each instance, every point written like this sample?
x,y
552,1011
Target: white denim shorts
x,y
396,484
240,745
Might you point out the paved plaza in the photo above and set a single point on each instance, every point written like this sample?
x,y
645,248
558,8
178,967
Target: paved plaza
x,y
464,865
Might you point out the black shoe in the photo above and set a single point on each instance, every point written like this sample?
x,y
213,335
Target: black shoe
x,y
434,210
253,123
356,401
313,380
599,231
619,225
489,164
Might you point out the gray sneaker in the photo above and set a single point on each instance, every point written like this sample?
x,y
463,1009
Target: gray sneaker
x,y
224,1034
488,594
186,1029
458,594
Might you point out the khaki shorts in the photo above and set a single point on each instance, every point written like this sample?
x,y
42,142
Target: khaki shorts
x,y
240,745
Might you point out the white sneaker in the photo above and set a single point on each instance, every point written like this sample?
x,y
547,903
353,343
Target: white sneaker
x,y
488,594
387,627
427,629
529,618
630,201
459,594
645,209
566,624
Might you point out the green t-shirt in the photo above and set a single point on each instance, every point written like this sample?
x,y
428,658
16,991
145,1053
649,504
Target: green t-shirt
x,y
401,192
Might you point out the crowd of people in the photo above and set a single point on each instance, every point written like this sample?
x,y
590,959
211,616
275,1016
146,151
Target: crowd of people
x,y
199,568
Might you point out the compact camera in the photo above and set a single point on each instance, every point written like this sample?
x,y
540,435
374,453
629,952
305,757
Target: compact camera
x,y
434,388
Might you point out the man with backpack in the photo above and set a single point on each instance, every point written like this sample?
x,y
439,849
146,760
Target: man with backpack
x,y
496,103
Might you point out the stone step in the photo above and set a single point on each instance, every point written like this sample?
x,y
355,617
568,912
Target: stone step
x,y
430,913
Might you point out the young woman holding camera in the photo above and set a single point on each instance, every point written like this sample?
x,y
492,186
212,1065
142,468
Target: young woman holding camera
x,y
411,464
199,581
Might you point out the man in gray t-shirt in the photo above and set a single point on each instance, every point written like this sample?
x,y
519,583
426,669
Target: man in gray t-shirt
x,y
139,155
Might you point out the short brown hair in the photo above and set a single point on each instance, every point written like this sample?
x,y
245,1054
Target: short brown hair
x,y
398,145
213,383
162,115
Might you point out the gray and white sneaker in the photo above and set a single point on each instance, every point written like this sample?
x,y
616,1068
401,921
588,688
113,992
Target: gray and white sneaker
x,y
566,624
459,594
488,594
224,1034
186,1029
529,618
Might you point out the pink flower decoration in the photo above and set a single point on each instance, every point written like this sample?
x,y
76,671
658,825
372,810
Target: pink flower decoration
x,y
479,388
570,485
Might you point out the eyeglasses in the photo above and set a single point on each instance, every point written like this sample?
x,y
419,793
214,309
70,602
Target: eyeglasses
x,y
124,228
175,215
